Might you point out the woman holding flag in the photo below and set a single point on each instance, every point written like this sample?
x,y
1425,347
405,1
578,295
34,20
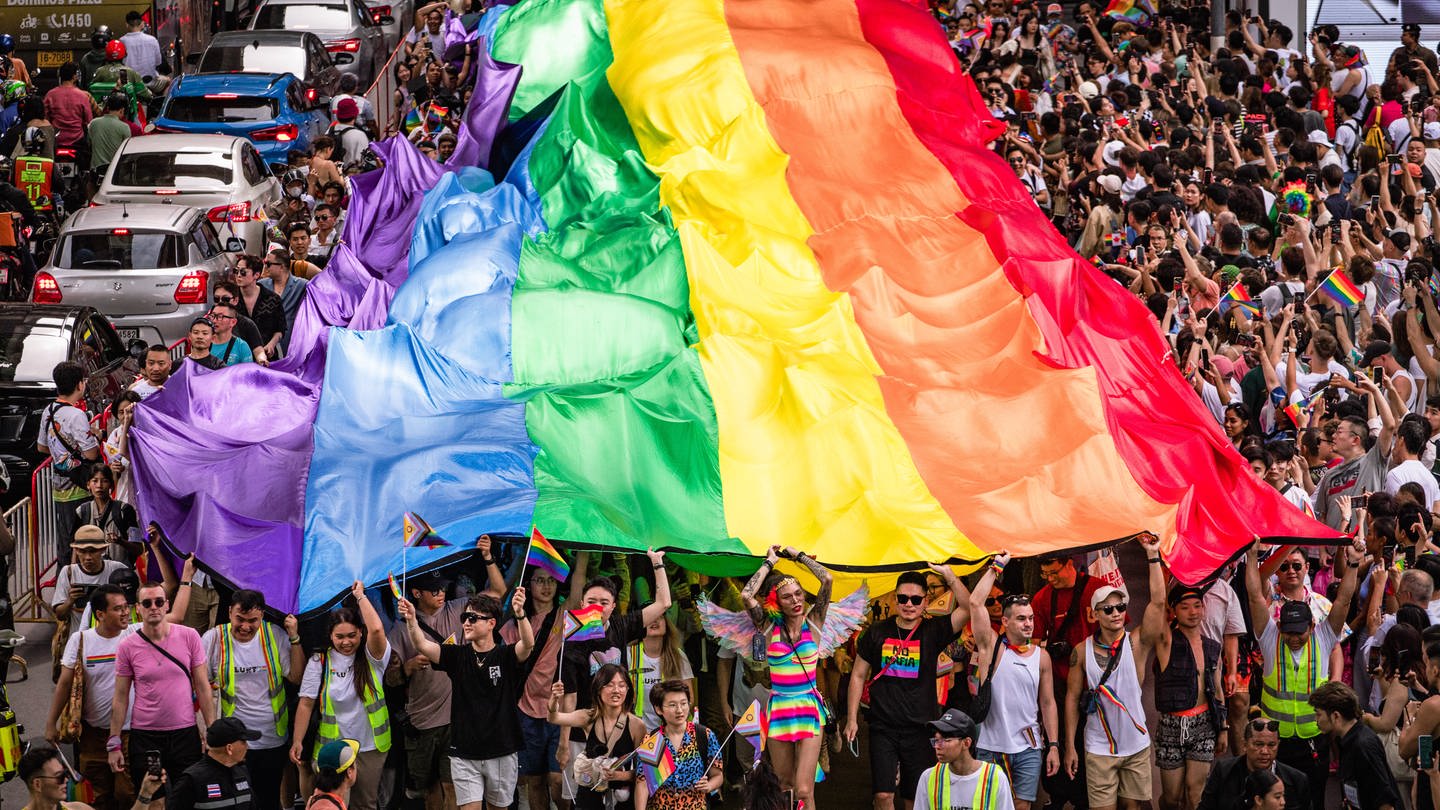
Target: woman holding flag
x,y
612,733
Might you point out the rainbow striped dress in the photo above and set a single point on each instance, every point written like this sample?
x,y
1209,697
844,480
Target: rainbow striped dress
x,y
794,705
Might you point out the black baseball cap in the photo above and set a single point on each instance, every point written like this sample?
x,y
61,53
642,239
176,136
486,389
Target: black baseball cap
x,y
1295,617
227,730
1180,593
428,581
1411,28
954,723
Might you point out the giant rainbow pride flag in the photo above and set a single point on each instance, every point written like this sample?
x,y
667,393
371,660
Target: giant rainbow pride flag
x,y
706,276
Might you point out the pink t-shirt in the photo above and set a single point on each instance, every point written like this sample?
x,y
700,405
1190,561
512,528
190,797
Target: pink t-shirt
x,y
164,696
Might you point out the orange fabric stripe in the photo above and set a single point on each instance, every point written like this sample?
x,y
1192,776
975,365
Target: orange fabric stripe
x,y
1016,451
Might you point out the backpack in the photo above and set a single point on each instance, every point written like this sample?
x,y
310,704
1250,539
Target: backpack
x,y
1375,135
1355,128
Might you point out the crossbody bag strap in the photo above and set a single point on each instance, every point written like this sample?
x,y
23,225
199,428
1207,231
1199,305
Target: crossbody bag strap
x,y
1110,667
892,661
55,430
164,652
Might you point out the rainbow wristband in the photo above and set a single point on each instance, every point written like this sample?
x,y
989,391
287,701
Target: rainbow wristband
x,y
112,744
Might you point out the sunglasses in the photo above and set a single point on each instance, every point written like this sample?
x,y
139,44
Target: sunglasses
x,y
1291,566
1110,610
901,599
1261,724
243,271
469,617
323,218
274,264
226,300
993,601
157,602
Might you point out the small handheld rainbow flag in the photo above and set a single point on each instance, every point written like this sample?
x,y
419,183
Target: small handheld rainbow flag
x,y
1341,289
418,533
661,768
1238,297
754,726
648,752
585,623
412,120
1136,11
1297,410
544,556
395,587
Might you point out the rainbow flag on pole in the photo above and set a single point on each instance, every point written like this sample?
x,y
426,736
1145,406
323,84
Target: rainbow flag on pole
x,y
1238,297
585,623
657,761
754,726
395,587
1341,289
546,557
418,533
1139,12
1296,410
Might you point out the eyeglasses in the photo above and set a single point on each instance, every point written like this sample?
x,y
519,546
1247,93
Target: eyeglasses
x,y
469,617
916,599
993,601
1110,610
1291,566
226,300
242,271
1017,161
1014,599
674,706
274,264
936,742
1261,724
323,217
59,778
157,602
215,316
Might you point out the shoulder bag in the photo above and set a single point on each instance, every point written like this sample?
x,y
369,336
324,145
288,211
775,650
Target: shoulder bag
x,y
73,712
980,705
827,719
76,470
1089,704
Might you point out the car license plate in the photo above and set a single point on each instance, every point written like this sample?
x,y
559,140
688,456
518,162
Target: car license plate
x,y
127,335
52,59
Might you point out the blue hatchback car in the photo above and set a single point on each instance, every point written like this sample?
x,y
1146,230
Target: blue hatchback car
x,y
275,111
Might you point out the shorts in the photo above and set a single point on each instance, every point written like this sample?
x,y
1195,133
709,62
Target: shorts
x,y
537,758
898,754
1180,739
427,759
1023,769
1108,779
487,780
179,749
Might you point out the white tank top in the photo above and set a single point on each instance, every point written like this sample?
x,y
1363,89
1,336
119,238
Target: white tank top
x,y
1012,725
1416,401
1118,728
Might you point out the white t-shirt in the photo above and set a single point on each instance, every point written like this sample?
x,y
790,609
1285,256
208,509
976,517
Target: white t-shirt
x,y
649,676
143,387
71,423
349,710
962,791
99,674
142,54
72,575
1223,616
252,688
1409,471
1324,636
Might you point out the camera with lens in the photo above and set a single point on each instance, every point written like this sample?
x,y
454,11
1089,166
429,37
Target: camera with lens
x,y
1059,649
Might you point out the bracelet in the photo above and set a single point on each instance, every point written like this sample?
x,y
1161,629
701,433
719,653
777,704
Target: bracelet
x,y
1052,744
659,566
144,800
185,583
112,743
293,639
1152,559
489,561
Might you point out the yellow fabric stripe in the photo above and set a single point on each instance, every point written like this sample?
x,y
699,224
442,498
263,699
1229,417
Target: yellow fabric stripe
x,y
808,455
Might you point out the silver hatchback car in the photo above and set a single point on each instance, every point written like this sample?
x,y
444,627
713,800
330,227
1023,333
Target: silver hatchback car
x,y
353,35
148,268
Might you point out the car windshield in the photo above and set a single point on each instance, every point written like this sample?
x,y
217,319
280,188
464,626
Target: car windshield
x,y
221,109
30,348
201,171
120,249
304,17
252,59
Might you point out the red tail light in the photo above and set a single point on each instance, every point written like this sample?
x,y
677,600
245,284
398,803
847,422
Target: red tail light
x,y
64,153
310,94
376,12
194,288
47,289
283,133
237,212
345,45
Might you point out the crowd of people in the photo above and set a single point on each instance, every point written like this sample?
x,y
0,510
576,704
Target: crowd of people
x,y
1270,201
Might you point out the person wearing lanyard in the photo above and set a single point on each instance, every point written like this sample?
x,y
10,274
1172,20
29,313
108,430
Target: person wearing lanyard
x,y
957,773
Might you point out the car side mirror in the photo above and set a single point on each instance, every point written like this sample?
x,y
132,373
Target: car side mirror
x,y
137,348
234,245
192,59
386,19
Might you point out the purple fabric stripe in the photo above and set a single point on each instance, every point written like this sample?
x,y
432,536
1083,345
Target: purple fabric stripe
x,y
222,458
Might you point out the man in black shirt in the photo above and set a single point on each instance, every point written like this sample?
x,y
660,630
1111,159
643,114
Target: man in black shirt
x,y
220,778
485,681
1366,781
1225,787
895,662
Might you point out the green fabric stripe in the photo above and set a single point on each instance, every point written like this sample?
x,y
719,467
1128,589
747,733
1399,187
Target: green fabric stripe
x,y
602,335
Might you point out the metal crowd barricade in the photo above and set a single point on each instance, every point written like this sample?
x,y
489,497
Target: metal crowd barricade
x,y
26,603
381,94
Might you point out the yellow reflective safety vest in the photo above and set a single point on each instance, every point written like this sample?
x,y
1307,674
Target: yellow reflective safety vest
x,y
373,700
1287,688
988,789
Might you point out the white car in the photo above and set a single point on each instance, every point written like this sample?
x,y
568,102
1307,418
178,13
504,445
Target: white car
x,y
221,174
148,268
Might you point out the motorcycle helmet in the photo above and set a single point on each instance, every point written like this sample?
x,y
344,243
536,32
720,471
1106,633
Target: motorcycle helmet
x,y
33,141
294,177
7,44
114,50
12,92
100,37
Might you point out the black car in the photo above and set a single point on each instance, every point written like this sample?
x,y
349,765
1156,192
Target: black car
x,y
275,51
33,339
